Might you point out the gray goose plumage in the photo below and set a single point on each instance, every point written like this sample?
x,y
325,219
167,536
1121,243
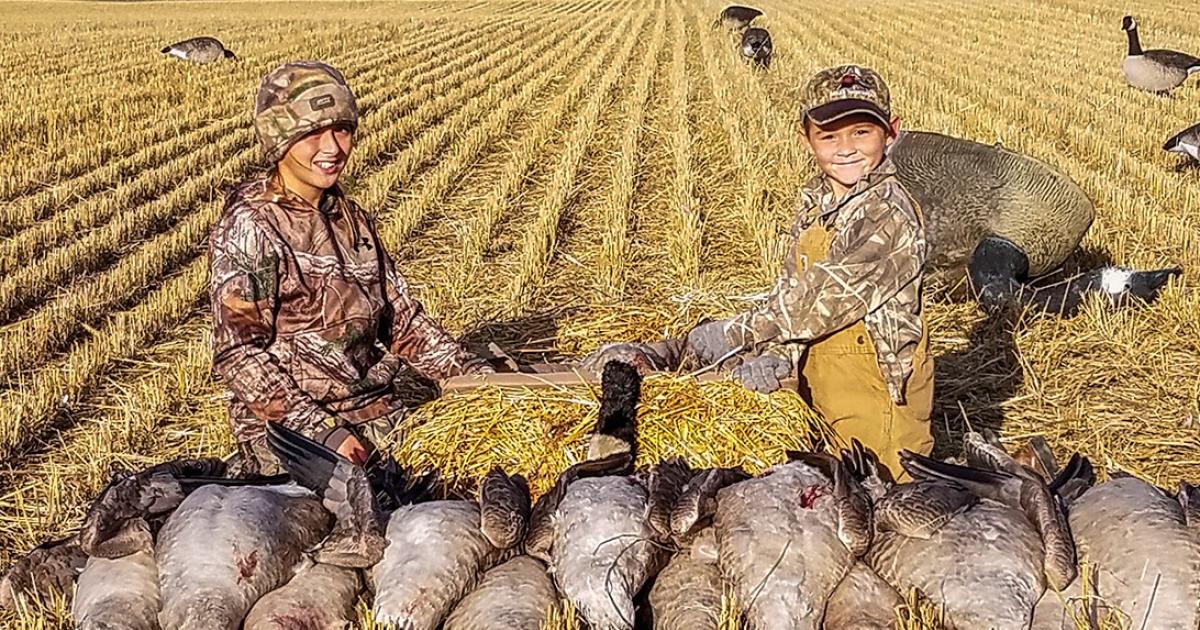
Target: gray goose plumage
x,y
593,528
1186,142
981,541
1143,543
1002,219
515,595
432,552
318,597
785,539
199,50
118,594
1154,70
862,601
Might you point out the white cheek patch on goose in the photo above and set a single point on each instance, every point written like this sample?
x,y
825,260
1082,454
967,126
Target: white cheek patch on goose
x,y
1115,280
175,52
1190,148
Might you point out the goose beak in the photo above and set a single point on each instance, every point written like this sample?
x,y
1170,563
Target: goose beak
x,y
1147,284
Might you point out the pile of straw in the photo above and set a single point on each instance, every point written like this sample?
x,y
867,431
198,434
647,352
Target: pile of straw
x,y
539,433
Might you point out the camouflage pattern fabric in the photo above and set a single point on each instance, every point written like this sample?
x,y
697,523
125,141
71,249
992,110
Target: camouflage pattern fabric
x,y
842,91
311,321
298,98
873,273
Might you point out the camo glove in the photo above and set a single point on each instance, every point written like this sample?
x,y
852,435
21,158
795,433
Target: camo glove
x,y
713,341
762,373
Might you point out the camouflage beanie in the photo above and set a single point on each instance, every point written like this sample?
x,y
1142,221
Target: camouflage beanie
x,y
298,98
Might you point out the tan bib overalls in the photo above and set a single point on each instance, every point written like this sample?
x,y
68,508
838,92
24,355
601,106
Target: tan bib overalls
x,y
842,380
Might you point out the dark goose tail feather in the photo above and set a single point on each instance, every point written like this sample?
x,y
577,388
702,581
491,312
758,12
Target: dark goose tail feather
x,y
309,464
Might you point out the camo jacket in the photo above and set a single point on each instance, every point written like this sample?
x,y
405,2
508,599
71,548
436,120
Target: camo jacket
x,y
311,320
873,273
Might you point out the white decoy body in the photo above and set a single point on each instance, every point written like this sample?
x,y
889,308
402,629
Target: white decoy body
x,y
223,548
516,595
118,594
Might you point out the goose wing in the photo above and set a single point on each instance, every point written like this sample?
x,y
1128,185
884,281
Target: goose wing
x,y
1174,59
666,484
503,508
920,508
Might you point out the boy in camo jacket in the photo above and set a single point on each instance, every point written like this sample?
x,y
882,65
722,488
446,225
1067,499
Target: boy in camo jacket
x,y
311,320
847,307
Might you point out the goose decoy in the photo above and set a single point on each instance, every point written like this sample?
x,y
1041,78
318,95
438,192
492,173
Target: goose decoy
x,y
756,47
223,548
981,540
593,527
1154,70
199,50
1186,142
736,18
118,593
431,553
319,597
1143,543
1003,219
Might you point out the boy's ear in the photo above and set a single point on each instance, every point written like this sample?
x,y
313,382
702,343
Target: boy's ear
x,y
893,129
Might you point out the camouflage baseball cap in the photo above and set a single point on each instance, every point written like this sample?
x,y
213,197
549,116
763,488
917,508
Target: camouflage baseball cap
x,y
298,98
841,91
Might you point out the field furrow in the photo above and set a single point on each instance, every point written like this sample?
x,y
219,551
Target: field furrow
x,y
686,241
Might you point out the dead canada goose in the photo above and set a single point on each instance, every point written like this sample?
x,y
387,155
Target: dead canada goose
x,y
1154,70
318,597
515,595
756,47
785,539
223,548
863,601
1003,219
981,541
1186,142
47,571
592,527
736,18
1143,544
687,593
118,594
432,552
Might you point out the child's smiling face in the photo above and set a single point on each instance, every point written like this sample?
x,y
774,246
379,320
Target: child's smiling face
x,y
848,149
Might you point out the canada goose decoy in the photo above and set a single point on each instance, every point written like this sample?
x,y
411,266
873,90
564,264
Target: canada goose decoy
x,y
432,552
118,594
318,597
1186,142
199,50
515,595
1003,219
756,47
593,527
1143,543
736,18
981,543
225,547
863,601
1154,70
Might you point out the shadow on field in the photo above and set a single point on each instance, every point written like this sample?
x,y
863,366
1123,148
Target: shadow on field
x,y
974,383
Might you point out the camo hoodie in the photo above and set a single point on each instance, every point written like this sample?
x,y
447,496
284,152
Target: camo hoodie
x,y
310,318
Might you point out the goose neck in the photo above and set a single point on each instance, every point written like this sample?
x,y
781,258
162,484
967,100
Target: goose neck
x,y
1135,45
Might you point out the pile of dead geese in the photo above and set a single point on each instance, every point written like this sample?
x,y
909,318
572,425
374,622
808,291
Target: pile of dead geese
x,y
822,541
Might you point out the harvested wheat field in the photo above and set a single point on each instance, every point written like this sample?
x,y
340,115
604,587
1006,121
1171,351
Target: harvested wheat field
x,y
550,175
